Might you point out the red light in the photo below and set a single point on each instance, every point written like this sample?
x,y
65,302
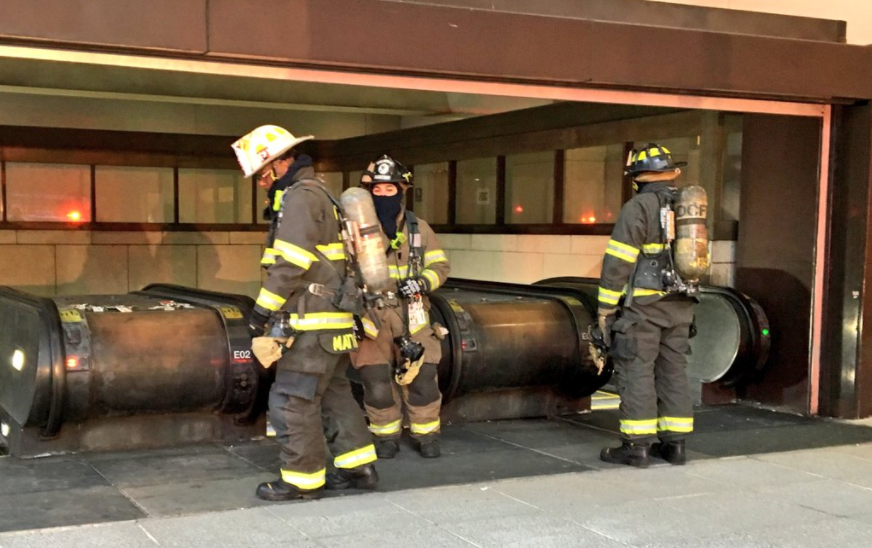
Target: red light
x,y
591,219
74,216
519,209
588,219
72,363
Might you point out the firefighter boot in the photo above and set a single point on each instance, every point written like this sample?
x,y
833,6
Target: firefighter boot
x,y
386,449
429,449
362,477
280,490
632,454
670,451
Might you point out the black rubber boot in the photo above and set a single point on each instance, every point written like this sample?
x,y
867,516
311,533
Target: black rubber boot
x,y
429,449
387,449
631,454
362,477
670,451
280,490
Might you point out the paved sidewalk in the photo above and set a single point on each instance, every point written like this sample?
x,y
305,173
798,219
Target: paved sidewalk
x,y
809,498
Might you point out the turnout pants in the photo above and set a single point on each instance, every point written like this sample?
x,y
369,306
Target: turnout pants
x,y
650,347
383,398
306,407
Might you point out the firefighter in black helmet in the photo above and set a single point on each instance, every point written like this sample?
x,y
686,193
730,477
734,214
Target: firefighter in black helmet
x,y
644,320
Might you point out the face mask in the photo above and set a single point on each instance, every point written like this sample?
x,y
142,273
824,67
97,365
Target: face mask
x,y
388,208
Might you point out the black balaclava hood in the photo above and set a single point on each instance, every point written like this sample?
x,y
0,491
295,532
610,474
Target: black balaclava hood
x,y
388,209
286,180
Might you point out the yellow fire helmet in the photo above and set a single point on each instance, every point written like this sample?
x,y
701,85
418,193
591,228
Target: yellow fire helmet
x,y
263,145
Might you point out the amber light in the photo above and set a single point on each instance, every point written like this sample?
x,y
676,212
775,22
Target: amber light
x,y
588,219
519,209
74,216
72,363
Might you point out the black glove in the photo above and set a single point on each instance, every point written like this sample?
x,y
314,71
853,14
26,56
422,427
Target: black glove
x,y
257,324
414,286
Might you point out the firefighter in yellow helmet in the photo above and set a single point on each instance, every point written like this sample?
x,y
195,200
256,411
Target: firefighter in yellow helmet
x,y
648,334
311,397
397,361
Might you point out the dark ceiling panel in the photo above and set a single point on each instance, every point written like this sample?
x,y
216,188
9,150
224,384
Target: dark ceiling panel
x,y
156,24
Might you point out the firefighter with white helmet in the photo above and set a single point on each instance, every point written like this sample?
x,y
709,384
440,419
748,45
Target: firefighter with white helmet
x,y
400,351
306,334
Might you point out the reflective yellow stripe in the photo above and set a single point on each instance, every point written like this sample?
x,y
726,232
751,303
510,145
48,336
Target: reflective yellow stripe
x,y
269,300
607,296
676,424
315,321
358,457
642,155
653,152
305,481
432,278
653,248
433,257
269,256
277,200
426,428
622,251
666,150
334,252
637,292
639,428
294,254
397,274
386,429
369,328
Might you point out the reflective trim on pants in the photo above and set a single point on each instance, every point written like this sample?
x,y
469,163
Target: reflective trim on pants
x,y
386,429
358,457
639,428
425,428
682,425
305,481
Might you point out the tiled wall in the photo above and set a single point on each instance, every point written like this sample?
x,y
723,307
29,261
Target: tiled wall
x,y
529,258
58,262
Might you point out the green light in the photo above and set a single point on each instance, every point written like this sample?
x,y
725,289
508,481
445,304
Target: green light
x,y
765,332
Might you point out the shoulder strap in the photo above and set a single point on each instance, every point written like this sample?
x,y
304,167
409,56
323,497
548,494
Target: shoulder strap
x,y
415,248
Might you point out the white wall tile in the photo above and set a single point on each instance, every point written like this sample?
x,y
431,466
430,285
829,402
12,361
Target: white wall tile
x,y
521,268
723,251
723,274
255,238
584,266
473,265
92,269
172,264
229,268
7,236
29,268
54,237
589,245
494,242
455,241
196,238
531,243
119,238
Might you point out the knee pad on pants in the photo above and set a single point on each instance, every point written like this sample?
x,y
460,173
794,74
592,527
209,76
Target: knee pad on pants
x,y
377,386
425,388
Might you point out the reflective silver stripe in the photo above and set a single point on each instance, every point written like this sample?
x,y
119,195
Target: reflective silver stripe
x,y
433,257
608,296
358,457
653,248
622,251
395,274
369,327
638,428
425,428
334,252
294,254
433,278
675,424
386,429
322,320
269,300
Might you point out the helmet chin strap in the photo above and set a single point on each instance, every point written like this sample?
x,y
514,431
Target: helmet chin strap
x,y
653,176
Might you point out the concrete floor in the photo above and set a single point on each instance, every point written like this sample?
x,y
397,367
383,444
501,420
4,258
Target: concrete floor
x,y
757,478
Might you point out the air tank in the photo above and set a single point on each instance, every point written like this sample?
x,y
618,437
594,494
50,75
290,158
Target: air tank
x,y
691,238
364,230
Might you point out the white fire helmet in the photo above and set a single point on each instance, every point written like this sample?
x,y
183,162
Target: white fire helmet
x,y
263,145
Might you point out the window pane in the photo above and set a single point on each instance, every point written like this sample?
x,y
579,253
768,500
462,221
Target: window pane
x,y
333,182
732,177
593,178
431,192
134,194
48,192
214,196
477,191
530,187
